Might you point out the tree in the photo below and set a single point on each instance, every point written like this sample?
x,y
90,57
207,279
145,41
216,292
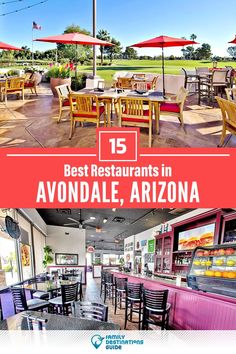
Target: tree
x,y
81,52
114,50
232,52
193,37
204,52
104,35
188,52
130,53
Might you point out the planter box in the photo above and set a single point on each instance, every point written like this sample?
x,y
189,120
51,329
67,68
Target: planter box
x,y
57,82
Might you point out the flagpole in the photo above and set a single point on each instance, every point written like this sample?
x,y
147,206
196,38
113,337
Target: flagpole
x,y
94,35
32,45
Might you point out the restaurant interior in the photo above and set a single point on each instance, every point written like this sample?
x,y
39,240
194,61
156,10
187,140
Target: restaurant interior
x,y
115,269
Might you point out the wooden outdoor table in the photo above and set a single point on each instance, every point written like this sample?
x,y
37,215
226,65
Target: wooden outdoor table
x,y
108,97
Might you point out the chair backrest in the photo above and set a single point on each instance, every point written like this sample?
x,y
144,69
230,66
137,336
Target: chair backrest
x,y
1,314
202,70
63,91
124,83
231,94
155,299
109,278
181,97
84,104
16,83
69,292
141,86
154,83
219,76
228,110
19,299
134,290
103,276
134,107
139,76
120,283
90,310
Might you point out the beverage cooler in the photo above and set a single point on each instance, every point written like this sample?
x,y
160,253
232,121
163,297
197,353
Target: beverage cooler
x,y
213,269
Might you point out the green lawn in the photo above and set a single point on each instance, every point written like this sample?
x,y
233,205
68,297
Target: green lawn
x,y
172,66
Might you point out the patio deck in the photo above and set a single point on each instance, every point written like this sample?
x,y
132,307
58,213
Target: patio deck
x,y
33,123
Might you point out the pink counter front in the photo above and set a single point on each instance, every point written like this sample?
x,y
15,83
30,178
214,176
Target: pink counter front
x,y
191,310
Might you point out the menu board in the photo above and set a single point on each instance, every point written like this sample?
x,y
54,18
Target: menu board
x,y
199,236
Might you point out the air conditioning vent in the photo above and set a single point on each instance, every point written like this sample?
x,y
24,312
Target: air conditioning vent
x,y
64,211
118,219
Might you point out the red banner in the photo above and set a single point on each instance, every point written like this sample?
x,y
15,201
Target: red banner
x,y
117,173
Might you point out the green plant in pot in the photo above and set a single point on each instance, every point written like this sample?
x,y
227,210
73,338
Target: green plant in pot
x,y
59,75
48,258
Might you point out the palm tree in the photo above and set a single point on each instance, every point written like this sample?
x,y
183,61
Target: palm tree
x,y
104,35
193,37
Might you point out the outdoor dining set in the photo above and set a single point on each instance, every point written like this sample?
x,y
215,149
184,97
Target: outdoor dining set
x,y
135,102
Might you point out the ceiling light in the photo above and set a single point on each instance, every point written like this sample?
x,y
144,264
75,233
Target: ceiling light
x,y
105,220
114,210
92,236
92,218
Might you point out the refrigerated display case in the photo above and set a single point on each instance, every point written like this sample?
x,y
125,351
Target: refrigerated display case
x,y
213,269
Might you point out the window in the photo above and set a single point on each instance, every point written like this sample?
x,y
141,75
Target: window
x,y
8,261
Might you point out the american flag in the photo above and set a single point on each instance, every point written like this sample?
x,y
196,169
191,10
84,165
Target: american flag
x,y
36,26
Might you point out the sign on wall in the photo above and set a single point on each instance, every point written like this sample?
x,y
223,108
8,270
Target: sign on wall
x,y
151,246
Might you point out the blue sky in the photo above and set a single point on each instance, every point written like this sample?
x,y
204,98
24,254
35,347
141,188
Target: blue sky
x,y
129,21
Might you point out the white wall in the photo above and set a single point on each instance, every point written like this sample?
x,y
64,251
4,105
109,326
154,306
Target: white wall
x,y
72,243
36,219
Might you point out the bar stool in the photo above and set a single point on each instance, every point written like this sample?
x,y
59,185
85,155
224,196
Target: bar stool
x,y
155,308
133,302
109,287
103,279
120,286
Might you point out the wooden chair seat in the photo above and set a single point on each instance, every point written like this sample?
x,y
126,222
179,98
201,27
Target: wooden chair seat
x,y
169,107
136,112
90,115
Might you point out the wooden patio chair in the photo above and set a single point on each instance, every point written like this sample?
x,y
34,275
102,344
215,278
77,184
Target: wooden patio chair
x,y
85,108
32,82
228,110
63,92
136,112
231,94
175,108
124,83
14,86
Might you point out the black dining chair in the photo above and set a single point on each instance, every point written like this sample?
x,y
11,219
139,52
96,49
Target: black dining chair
x,y
133,303
109,287
63,304
90,310
22,304
103,279
120,289
155,308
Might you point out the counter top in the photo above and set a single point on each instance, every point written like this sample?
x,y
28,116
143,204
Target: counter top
x,y
56,322
172,284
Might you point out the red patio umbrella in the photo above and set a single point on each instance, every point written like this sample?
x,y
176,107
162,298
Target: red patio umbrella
x,y
76,39
163,42
6,46
233,41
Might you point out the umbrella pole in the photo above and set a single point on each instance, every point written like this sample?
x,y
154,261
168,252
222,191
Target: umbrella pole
x,y
76,64
163,72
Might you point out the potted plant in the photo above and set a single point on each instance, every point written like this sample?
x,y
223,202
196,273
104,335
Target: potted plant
x,y
48,258
59,75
